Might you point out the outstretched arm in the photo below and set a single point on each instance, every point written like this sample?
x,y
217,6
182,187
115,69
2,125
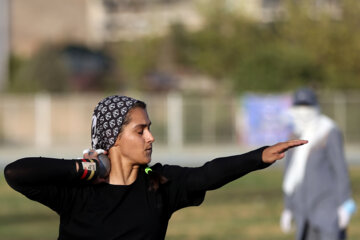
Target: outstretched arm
x,y
220,171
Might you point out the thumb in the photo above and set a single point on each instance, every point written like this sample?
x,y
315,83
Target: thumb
x,y
280,155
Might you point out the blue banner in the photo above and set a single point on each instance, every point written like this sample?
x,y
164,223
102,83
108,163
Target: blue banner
x,y
265,119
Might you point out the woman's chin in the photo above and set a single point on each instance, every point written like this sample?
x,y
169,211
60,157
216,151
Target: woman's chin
x,y
146,160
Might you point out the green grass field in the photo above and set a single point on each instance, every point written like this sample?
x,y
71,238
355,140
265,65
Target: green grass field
x,y
247,209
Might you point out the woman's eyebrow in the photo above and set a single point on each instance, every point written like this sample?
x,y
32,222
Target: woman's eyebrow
x,y
143,125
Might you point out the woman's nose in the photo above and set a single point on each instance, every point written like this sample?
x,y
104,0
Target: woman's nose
x,y
149,137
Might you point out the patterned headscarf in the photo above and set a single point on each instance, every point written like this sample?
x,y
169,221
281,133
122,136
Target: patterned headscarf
x,y
107,120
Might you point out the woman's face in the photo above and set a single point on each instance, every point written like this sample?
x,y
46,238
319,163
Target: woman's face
x,y
134,143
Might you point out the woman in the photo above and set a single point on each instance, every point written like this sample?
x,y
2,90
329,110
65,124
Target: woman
x,y
133,201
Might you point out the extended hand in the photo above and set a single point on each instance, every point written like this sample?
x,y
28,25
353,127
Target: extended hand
x,y
104,164
277,151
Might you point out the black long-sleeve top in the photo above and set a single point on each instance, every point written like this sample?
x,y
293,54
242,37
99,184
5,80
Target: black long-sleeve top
x,y
105,211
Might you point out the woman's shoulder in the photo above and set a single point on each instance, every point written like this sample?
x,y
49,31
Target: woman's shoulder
x,y
169,171
160,166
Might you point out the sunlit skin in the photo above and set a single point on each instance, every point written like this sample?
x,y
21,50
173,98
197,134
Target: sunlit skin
x,y
132,148
277,151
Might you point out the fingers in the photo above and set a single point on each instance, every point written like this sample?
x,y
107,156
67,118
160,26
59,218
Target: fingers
x,y
281,155
277,151
284,146
99,155
297,142
92,153
276,156
86,151
100,151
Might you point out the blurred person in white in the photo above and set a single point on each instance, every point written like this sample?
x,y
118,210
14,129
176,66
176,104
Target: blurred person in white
x,y
316,185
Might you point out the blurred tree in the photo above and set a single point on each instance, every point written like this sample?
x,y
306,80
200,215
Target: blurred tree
x,y
86,67
306,44
15,64
44,72
332,39
276,68
61,69
139,60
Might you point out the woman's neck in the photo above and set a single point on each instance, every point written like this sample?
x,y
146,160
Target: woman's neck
x,y
122,173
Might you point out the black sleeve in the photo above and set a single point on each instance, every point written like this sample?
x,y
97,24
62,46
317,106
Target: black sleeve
x,y
42,179
220,171
187,186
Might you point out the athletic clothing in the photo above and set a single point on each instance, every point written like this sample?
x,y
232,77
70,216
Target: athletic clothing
x,y
105,211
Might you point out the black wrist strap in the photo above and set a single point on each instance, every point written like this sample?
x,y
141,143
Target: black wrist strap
x,y
88,169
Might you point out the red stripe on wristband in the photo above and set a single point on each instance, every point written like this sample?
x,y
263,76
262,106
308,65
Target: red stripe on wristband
x,y
85,171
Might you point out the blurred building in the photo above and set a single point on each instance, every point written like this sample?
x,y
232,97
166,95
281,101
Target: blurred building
x,y
133,19
93,22
35,22
267,10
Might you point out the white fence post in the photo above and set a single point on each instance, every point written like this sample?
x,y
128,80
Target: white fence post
x,y
208,108
4,42
42,120
175,120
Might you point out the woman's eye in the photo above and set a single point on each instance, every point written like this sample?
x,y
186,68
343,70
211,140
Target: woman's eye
x,y
141,132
